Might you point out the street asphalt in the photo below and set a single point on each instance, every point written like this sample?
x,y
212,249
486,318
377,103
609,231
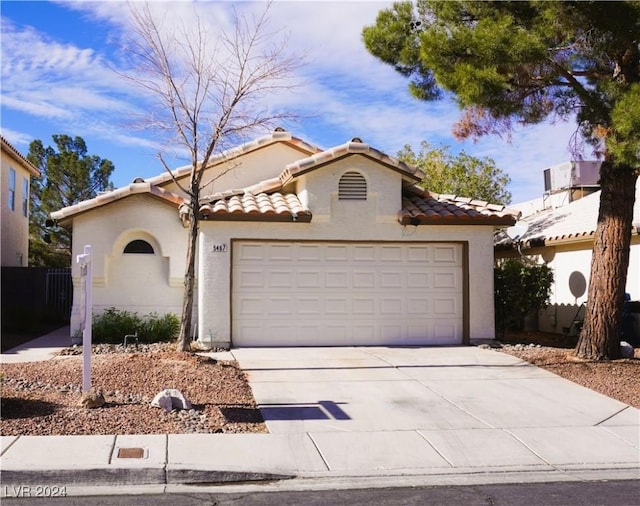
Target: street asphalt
x,y
381,415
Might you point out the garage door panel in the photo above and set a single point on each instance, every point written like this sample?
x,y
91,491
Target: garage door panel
x,y
279,279
444,331
280,306
389,306
252,279
309,279
334,294
445,306
420,254
309,253
279,252
390,279
335,253
251,307
445,280
337,305
446,255
336,279
418,279
366,253
391,253
418,306
310,306
364,279
364,306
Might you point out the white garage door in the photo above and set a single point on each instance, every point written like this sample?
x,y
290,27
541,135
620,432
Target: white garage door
x,y
342,294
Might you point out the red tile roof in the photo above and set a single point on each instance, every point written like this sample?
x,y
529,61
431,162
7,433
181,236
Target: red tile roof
x,y
420,207
250,207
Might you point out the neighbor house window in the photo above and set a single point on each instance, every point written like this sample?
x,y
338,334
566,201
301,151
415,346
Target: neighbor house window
x,y
139,246
25,197
12,189
352,186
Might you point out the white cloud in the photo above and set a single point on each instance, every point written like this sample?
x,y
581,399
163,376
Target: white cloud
x,y
346,91
16,138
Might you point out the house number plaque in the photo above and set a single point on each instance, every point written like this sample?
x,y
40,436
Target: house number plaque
x,y
219,248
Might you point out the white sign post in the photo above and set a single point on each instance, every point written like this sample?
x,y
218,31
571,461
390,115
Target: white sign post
x,y
86,289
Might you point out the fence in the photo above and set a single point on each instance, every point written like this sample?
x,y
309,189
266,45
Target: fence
x,y
35,292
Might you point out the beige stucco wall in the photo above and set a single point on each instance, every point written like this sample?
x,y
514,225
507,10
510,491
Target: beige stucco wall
x,y
135,282
334,220
15,225
263,163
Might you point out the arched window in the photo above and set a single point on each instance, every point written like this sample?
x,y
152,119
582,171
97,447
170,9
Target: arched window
x,y
139,246
352,186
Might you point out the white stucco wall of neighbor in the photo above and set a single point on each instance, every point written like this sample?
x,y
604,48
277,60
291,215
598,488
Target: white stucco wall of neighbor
x,y
571,266
140,283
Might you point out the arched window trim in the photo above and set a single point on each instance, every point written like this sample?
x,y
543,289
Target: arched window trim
x,y
138,246
352,186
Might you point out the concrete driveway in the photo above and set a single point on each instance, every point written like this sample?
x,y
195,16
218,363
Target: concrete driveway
x,y
416,408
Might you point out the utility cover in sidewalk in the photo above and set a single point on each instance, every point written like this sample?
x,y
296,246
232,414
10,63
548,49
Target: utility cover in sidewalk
x,y
130,453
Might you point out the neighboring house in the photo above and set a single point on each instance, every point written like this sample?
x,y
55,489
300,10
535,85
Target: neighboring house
x,y
299,247
15,186
561,230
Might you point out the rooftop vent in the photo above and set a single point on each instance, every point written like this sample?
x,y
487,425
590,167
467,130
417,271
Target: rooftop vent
x,y
352,186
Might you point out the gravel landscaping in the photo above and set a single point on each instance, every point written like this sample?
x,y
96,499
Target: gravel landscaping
x,y
42,398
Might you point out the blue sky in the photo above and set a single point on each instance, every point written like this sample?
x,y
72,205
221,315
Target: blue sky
x,y
58,78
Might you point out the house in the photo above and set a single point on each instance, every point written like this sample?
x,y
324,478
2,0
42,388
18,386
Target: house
x,y
561,228
16,182
298,246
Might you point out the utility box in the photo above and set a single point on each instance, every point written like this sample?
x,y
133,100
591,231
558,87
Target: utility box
x,y
573,174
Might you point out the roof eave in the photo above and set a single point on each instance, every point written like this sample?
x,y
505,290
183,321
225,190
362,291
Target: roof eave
x,y
258,217
20,158
496,221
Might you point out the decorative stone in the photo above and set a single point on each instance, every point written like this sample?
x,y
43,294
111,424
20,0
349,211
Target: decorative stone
x,y
626,350
170,399
92,399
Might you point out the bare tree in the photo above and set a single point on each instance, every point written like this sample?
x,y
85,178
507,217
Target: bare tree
x,y
209,90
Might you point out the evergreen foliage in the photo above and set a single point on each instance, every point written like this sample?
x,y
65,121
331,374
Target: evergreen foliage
x,y
519,289
507,63
68,176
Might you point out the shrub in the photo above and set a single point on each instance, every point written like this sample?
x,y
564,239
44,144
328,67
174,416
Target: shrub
x,y
113,324
519,289
159,328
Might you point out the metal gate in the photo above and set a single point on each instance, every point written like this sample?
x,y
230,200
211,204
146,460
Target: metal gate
x,y
59,291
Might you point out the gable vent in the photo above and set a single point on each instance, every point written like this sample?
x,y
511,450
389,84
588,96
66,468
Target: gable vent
x,y
352,186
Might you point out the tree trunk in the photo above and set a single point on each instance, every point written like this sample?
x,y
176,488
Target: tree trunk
x,y
184,339
600,336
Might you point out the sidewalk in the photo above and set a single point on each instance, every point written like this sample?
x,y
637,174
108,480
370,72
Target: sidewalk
x,y
431,415
37,350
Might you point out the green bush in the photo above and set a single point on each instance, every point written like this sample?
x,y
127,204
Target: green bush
x,y
113,324
519,289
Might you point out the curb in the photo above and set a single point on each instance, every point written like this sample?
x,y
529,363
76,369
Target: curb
x,y
100,476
